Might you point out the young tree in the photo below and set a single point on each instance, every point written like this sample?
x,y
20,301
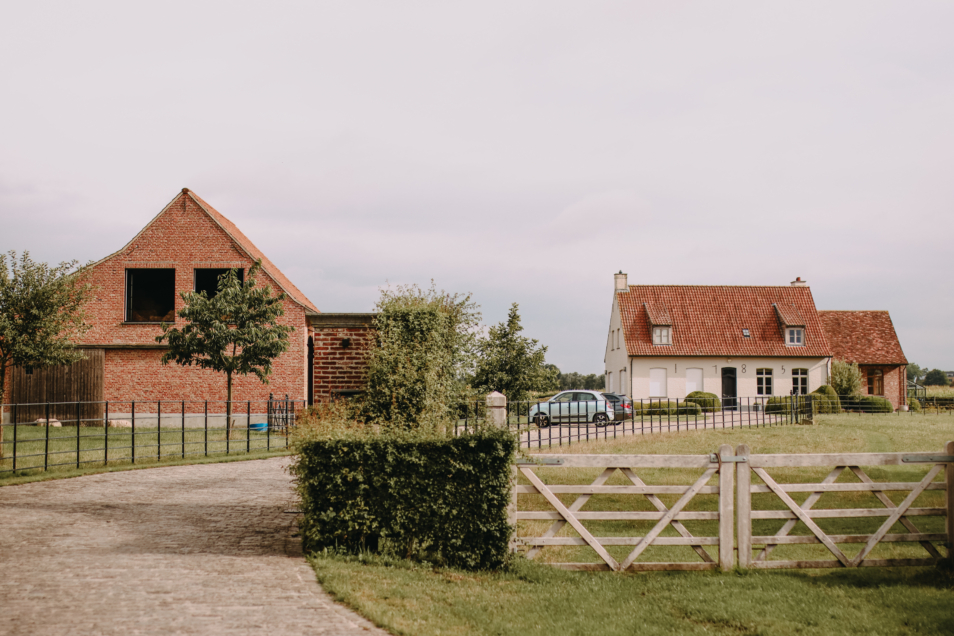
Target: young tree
x,y
845,378
915,372
511,363
236,332
41,315
423,350
936,377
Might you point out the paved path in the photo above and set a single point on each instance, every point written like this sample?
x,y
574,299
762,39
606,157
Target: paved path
x,y
179,550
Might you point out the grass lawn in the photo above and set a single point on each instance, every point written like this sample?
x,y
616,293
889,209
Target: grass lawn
x,y
535,598
152,448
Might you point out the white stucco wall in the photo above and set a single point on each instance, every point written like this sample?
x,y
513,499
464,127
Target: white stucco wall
x,y
712,374
616,358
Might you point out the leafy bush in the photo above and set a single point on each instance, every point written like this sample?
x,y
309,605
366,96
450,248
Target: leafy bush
x,y
914,404
668,407
415,494
821,403
778,404
873,404
845,377
708,402
829,393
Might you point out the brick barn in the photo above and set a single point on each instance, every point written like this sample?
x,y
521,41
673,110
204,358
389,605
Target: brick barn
x,y
185,248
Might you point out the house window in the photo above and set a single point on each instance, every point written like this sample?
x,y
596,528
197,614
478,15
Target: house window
x,y
800,381
875,382
795,337
746,334
207,280
150,295
661,336
622,381
657,383
693,380
763,379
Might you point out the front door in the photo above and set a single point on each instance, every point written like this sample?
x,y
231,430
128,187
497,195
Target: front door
x,y
729,391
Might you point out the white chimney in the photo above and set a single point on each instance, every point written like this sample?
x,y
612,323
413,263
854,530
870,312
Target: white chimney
x,y
798,282
620,280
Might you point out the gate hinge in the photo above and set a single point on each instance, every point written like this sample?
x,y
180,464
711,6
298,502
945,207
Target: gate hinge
x,y
714,458
928,459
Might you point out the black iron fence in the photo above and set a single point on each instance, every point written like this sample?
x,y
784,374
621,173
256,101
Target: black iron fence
x,y
43,436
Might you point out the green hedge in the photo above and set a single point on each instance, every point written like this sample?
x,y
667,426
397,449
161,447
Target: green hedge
x,y
443,499
834,403
871,404
778,404
914,405
708,402
667,407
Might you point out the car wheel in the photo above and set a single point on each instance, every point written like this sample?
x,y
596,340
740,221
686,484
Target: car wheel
x,y
541,421
600,419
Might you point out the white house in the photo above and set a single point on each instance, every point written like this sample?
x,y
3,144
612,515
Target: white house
x,y
666,341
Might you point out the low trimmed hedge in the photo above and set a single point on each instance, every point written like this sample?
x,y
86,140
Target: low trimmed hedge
x,y
443,499
708,402
667,407
914,404
868,404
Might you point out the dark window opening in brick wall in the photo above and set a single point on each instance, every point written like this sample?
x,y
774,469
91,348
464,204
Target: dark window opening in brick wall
x,y
207,280
150,295
875,382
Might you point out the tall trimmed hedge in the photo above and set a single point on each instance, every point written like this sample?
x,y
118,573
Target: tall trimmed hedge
x,y
444,498
834,403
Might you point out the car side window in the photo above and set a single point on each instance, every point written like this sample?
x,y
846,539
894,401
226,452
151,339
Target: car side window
x,y
566,397
584,397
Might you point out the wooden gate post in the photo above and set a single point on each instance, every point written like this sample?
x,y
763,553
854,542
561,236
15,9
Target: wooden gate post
x,y
726,518
949,478
744,506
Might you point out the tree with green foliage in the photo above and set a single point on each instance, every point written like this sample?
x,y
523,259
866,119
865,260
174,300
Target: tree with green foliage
x,y
845,378
236,332
915,373
424,349
42,314
574,380
510,363
936,377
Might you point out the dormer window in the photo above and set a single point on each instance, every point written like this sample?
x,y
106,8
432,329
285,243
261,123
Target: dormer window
x,y
746,334
661,336
795,337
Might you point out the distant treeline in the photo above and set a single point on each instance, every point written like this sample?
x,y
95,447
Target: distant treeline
x,y
567,381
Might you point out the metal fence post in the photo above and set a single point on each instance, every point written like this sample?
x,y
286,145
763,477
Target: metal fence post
x,y
248,427
183,429
133,434
46,447
77,434
106,433
949,477
726,518
158,429
14,414
206,420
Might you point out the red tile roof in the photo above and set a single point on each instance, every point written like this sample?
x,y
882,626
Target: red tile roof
x,y
657,314
245,244
864,337
708,320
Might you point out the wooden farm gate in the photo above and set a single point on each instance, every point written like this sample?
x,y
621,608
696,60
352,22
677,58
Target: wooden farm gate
x,y
63,387
733,508
938,465
705,468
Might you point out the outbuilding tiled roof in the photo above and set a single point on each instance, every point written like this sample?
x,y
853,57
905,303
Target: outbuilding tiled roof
x,y
864,337
709,320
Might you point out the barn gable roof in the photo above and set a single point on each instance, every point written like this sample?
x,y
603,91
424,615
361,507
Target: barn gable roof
x,y
709,320
864,337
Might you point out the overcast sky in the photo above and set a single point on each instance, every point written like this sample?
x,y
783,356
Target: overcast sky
x,y
522,151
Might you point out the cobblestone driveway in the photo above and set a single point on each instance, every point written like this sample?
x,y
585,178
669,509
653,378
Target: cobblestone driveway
x,y
180,550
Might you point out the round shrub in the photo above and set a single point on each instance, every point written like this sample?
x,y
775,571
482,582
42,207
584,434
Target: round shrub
x,y
874,404
708,402
914,404
829,392
666,407
821,403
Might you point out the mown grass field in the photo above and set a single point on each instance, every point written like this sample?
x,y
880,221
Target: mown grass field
x,y
102,449
535,598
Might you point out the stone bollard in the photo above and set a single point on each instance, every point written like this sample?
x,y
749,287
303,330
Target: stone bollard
x,y
497,409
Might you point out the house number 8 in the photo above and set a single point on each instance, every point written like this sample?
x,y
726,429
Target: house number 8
x,y
743,368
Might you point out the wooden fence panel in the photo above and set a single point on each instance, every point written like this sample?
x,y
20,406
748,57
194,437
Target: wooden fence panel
x,y
62,387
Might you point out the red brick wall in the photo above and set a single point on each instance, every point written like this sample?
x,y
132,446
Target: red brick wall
x,y
895,383
338,368
184,238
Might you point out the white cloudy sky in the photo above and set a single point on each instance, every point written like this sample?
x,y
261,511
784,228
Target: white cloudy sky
x,y
522,151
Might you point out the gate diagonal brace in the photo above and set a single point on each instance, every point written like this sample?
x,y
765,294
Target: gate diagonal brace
x,y
900,510
810,501
570,518
661,507
574,507
907,523
802,516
